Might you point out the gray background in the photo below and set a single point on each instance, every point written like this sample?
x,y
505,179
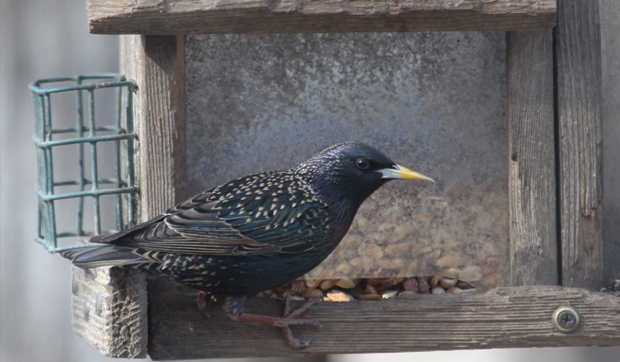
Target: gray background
x,y
42,39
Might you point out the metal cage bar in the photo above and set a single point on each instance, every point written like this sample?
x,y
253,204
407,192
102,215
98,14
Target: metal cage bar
x,y
123,179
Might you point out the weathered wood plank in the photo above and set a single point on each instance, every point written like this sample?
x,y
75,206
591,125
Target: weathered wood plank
x,y
110,309
504,317
579,107
532,191
308,16
610,28
161,82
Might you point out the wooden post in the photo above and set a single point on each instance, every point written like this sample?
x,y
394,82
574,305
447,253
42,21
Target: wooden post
x,y
579,110
161,132
109,310
532,191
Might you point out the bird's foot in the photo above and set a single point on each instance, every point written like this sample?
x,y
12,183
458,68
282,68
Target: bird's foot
x,y
288,319
202,303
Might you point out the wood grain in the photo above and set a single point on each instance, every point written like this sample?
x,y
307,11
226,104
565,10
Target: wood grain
x,y
504,317
579,107
532,178
161,85
110,310
309,16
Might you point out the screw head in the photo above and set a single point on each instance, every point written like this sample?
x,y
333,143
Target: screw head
x,y
566,319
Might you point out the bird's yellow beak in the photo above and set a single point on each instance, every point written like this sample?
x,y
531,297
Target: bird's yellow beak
x,y
402,172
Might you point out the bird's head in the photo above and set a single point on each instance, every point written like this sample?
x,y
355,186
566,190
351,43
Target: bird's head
x,y
344,175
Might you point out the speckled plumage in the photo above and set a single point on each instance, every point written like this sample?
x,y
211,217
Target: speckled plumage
x,y
256,232
253,233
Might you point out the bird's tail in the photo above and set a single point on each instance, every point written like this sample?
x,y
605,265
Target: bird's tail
x,y
108,255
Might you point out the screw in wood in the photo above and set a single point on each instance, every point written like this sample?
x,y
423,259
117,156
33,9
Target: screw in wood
x,y
566,319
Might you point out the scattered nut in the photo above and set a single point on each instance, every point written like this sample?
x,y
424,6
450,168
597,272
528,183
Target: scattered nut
x,y
356,292
451,273
327,284
346,283
370,289
311,284
464,285
338,296
380,283
447,283
389,294
298,287
370,297
313,293
424,287
411,284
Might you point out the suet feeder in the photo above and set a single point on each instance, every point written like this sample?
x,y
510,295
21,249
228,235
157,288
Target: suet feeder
x,y
86,131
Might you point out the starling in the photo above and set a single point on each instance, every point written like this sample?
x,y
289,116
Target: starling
x,y
254,233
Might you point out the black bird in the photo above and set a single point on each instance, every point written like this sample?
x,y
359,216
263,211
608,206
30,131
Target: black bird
x,y
254,233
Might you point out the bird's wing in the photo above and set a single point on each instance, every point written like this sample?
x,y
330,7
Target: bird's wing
x,y
155,226
235,219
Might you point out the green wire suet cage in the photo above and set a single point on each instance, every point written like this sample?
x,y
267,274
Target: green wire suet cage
x,y
88,184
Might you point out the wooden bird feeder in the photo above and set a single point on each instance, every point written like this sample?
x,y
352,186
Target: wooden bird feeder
x,y
553,185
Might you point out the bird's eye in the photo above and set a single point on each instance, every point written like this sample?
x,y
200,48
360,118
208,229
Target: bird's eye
x,y
362,163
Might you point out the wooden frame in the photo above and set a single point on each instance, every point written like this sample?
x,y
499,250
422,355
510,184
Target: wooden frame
x,y
308,16
554,125
531,182
502,318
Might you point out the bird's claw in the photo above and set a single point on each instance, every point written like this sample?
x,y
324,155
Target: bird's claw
x,y
289,319
292,341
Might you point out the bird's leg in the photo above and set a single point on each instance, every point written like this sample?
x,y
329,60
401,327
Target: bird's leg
x,y
233,307
301,309
202,303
